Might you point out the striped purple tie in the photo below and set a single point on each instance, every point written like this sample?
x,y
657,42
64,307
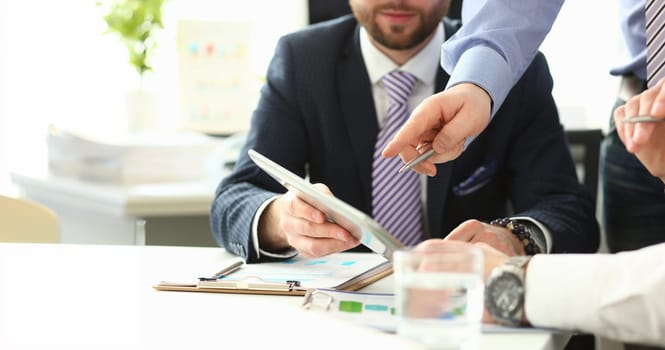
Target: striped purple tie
x,y
655,17
396,197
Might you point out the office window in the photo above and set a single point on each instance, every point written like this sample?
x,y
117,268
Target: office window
x,y
580,55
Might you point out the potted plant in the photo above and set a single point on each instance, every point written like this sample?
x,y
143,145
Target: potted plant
x,y
135,23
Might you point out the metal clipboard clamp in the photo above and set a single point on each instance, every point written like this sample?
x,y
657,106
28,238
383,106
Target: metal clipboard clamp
x,y
251,283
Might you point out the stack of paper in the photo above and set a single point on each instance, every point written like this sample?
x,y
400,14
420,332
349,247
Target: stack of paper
x,y
133,159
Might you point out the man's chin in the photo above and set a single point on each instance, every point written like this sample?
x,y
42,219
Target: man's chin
x,y
398,42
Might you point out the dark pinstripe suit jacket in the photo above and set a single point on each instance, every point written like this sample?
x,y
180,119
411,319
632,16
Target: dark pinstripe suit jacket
x,y
316,114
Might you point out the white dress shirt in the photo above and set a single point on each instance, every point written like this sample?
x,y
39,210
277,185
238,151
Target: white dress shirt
x,y
423,66
618,296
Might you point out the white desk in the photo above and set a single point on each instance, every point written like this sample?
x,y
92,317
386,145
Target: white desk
x,y
62,296
100,213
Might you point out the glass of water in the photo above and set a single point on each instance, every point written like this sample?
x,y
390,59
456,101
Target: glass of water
x,y
439,295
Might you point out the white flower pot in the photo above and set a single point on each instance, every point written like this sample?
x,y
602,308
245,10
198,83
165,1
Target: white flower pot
x,y
141,111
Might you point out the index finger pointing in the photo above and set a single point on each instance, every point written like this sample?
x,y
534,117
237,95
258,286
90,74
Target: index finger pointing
x,y
422,120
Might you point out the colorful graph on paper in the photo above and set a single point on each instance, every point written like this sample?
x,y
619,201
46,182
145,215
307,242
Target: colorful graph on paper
x,y
322,272
218,87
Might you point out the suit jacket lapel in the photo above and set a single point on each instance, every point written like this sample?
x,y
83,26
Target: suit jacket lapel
x,y
358,112
437,187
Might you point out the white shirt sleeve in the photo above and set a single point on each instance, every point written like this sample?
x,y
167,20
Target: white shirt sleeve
x,y
619,296
255,235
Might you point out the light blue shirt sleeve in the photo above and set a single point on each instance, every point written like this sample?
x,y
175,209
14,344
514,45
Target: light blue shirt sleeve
x,y
496,43
633,29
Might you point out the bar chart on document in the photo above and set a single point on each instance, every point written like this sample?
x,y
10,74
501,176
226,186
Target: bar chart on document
x,y
218,87
324,272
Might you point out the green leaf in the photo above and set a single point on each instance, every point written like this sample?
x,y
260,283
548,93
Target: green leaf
x,y
135,22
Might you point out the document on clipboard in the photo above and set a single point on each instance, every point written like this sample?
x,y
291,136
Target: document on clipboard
x,y
359,224
340,271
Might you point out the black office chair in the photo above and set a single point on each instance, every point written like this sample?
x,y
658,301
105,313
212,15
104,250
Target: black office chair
x,y
585,148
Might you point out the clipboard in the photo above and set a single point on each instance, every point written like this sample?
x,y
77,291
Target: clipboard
x,y
341,271
359,224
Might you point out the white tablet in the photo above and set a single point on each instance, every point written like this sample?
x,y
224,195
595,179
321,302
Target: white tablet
x,y
361,225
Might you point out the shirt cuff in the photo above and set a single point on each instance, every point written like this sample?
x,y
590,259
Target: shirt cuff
x,y
496,78
290,253
543,238
548,275
615,295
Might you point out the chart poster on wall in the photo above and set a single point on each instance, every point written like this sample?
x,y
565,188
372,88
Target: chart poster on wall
x,y
218,88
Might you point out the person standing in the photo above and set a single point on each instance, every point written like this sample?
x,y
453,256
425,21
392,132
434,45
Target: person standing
x,y
634,203
633,206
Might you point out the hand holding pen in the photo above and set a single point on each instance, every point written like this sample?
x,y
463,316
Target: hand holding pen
x,y
639,125
438,128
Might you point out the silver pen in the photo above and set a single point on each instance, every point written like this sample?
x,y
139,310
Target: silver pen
x,y
229,269
643,119
416,161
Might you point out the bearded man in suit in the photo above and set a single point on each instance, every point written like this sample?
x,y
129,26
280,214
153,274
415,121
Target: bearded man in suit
x,y
322,109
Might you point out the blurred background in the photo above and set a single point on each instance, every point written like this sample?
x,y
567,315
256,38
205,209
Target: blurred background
x,y
59,65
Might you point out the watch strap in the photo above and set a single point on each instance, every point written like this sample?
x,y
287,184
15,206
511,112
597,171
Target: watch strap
x,y
519,261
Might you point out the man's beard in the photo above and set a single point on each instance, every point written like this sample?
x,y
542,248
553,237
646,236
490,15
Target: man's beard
x,y
388,40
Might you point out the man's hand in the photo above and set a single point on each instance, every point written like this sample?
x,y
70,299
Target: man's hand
x,y
291,222
443,122
491,257
495,236
645,140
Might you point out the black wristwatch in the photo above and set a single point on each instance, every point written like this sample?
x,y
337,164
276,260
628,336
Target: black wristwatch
x,y
504,292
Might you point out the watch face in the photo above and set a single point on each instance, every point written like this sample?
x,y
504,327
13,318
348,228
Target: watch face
x,y
505,296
